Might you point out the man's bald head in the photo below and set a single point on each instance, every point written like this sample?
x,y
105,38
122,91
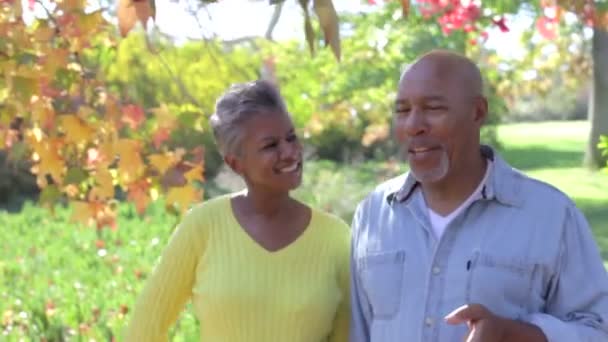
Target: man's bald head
x,y
449,67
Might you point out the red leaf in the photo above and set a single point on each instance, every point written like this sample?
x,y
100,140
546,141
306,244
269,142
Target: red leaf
x,y
547,28
160,136
133,116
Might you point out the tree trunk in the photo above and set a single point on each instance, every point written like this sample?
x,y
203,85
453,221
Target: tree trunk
x,y
598,99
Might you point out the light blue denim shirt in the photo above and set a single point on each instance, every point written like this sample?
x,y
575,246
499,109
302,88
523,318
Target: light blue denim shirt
x,y
523,250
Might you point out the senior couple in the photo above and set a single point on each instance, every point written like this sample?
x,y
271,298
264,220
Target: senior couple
x,y
462,247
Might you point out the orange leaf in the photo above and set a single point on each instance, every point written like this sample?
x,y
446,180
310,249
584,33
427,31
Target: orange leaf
x,y
50,161
160,136
129,11
130,165
138,194
76,129
183,197
405,7
105,187
133,116
162,162
43,112
83,212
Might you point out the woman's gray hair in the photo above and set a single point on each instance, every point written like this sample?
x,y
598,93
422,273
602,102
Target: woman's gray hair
x,y
238,104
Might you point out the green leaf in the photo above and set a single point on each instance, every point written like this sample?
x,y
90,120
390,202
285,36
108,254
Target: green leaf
x,y
75,176
24,88
50,195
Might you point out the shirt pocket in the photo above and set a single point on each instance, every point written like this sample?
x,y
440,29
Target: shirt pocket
x,y
382,281
502,284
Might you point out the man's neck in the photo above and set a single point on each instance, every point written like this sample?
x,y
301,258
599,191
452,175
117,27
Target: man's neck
x,y
445,196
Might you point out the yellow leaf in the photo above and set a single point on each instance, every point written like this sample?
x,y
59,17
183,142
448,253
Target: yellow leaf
x,y
90,22
130,11
308,30
55,59
76,129
50,161
164,117
162,162
105,186
44,33
130,165
183,197
196,173
72,5
328,19
83,212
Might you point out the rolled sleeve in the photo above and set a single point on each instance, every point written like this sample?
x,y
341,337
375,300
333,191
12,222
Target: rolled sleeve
x,y
577,303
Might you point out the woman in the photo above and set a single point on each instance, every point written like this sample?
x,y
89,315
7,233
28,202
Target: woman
x,y
258,265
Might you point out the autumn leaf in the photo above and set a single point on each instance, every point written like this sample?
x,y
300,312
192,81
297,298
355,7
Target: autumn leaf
x,y
82,212
105,187
328,19
164,117
162,162
195,174
76,129
183,197
160,136
133,116
50,161
138,194
405,7
130,165
130,11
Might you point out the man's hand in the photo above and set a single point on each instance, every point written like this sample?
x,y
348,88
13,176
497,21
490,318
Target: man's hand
x,y
484,326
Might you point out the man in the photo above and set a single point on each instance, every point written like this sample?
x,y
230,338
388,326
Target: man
x,y
463,247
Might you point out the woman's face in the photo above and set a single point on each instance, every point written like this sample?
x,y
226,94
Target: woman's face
x,y
270,155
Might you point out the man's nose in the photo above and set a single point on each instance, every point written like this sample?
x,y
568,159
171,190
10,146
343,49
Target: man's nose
x,y
412,124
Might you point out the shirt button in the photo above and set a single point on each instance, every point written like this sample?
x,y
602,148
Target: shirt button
x,y
428,321
436,270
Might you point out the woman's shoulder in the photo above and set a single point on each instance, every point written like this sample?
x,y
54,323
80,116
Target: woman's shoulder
x,y
330,221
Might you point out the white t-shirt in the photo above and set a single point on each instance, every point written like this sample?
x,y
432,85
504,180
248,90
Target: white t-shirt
x,y
439,223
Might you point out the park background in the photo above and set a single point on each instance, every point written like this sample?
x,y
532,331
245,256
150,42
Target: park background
x,y
104,138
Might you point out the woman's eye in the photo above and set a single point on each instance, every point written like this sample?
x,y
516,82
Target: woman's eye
x,y
269,146
292,138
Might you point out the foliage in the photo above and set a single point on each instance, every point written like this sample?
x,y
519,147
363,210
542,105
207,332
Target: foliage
x,y
187,79
85,142
603,146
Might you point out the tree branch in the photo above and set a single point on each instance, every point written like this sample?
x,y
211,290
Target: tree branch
x,y
274,20
178,81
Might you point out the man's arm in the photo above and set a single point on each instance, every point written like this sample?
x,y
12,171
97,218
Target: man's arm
x,y
577,303
360,313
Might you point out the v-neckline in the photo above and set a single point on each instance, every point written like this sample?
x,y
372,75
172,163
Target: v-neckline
x,y
258,246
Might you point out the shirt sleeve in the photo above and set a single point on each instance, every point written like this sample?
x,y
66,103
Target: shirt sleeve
x,y
577,304
360,312
169,286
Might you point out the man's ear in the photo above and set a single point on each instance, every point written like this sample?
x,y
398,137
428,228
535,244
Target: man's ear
x,y
234,163
481,110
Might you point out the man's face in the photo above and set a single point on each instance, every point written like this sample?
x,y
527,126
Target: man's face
x,y
437,121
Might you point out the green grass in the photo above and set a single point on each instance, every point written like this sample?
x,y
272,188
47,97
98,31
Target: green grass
x,y
553,152
59,283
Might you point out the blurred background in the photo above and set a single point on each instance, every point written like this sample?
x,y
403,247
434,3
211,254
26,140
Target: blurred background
x,y
105,142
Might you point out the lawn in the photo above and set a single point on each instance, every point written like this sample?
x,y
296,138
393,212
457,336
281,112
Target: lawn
x,y
59,281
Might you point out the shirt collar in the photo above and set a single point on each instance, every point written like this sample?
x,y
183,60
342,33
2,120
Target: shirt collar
x,y
500,185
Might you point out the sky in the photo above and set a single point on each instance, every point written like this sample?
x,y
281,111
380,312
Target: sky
x,y
233,19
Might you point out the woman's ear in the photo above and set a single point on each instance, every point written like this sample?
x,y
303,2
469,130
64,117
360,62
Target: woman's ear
x,y
234,163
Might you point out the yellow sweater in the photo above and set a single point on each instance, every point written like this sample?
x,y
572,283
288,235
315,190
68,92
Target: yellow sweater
x,y
242,292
